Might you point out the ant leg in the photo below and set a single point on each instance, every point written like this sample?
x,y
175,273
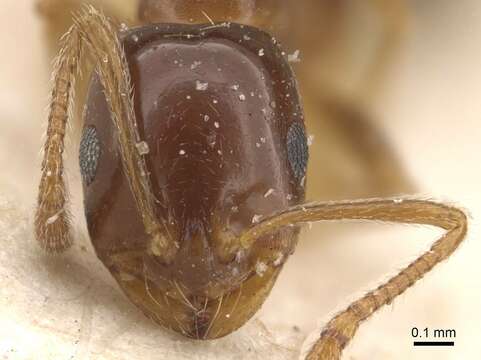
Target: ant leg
x,y
393,18
365,153
92,30
341,329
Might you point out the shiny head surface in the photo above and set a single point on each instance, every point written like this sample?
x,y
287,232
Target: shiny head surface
x,y
219,113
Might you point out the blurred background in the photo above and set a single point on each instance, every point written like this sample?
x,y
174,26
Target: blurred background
x,y
408,73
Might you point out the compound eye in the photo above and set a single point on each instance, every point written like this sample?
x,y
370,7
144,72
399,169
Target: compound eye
x,y
89,154
297,150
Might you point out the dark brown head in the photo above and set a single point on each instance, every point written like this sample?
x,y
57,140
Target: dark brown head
x,y
224,140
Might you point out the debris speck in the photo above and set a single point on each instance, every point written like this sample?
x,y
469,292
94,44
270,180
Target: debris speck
x,y
216,124
279,258
206,118
256,219
135,38
201,86
235,87
242,97
261,52
215,101
398,201
261,268
269,193
239,255
142,148
294,57
188,97
182,152
246,37
310,140
124,27
195,65
53,218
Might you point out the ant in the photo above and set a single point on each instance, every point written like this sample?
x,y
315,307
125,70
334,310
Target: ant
x,y
193,159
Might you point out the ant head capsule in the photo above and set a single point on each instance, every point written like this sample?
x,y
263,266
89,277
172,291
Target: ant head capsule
x,y
224,142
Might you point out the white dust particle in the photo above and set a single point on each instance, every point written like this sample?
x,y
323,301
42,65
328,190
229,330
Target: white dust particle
x,y
246,37
261,268
142,148
261,52
239,255
242,97
279,258
256,219
195,65
258,145
182,152
215,101
269,193
294,57
216,124
135,38
206,118
310,140
53,218
235,87
263,140
398,201
188,97
201,86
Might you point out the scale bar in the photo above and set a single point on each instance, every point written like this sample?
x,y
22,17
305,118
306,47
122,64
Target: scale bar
x,y
434,343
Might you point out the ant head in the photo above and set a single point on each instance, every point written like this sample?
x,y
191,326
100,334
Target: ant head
x,y
223,137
